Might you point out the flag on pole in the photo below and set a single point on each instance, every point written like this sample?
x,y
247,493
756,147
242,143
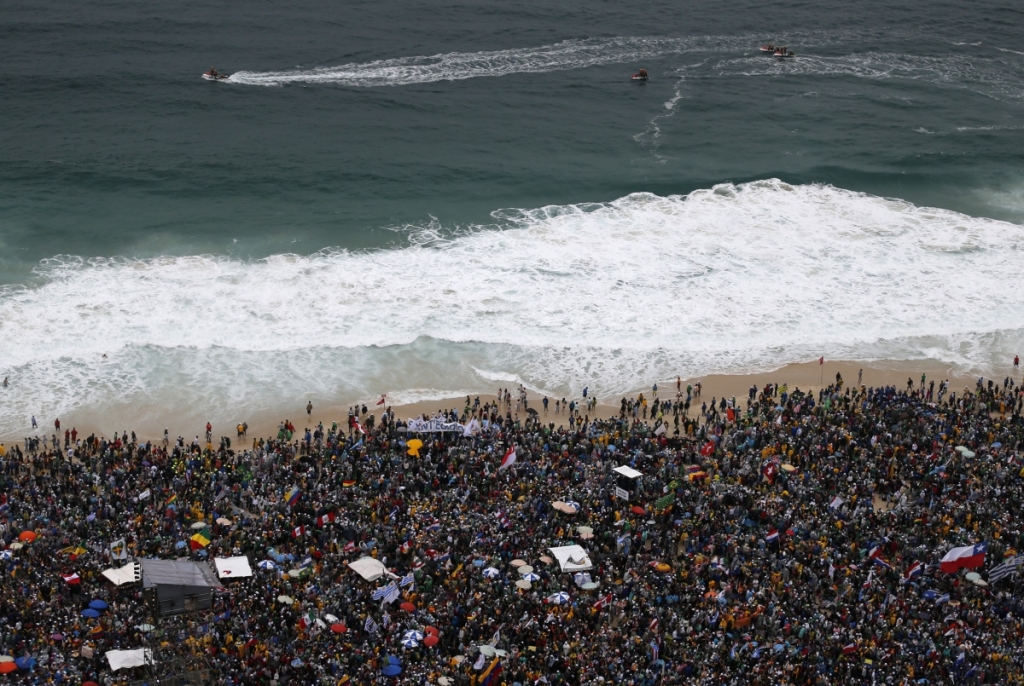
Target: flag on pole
x,y
294,495
773,535
603,602
382,396
964,557
72,578
509,459
1008,567
370,626
325,519
821,360
836,503
201,539
913,571
383,591
407,580
298,531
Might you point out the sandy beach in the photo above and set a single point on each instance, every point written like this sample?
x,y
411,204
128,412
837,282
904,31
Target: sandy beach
x,y
148,422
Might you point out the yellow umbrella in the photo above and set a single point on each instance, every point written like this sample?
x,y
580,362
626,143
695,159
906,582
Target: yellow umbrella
x,y
414,447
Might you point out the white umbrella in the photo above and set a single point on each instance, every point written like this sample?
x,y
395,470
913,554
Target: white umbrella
x,y
410,643
525,569
558,598
332,619
491,573
285,600
530,576
414,635
523,584
145,627
198,525
6,554
487,650
514,563
17,545
225,521
574,504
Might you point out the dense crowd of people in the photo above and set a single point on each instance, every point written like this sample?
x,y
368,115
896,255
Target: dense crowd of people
x,y
786,538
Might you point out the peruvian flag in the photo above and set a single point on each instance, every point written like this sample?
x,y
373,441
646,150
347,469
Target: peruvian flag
x,y
509,459
603,602
324,520
349,547
359,427
72,578
965,557
298,531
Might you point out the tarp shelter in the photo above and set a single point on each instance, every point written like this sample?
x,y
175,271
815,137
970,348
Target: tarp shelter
x,y
120,659
129,574
572,558
232,567
179,585
369,568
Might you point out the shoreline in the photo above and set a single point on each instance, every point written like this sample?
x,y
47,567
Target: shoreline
x,y
807,376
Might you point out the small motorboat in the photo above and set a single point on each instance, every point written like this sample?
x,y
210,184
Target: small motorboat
x,y
783,53
768,49
214,75
639,76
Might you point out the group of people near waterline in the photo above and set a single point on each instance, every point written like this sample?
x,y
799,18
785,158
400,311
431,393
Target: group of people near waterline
x,y
851,535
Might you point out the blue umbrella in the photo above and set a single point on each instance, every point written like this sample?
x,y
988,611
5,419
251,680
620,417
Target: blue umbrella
x,y
266,564
410,642
297,662
491,573
91,613
98,605
392,660
180,544
391,670
478,563
558,598
531,577
25,662
413,635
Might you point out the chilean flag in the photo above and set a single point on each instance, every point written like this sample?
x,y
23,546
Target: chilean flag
x,y
509,459
968,556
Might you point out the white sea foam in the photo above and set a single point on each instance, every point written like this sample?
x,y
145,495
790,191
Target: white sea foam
x,y
611,295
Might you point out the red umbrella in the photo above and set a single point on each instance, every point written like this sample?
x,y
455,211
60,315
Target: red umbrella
x,y
27,536
636,509
7,667
339,628
90,683
408,607
431,640
431,630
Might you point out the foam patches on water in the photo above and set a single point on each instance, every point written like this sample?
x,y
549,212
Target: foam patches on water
x,y
613,295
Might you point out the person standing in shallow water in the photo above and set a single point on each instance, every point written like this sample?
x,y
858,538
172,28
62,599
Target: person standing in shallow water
x,y
309,409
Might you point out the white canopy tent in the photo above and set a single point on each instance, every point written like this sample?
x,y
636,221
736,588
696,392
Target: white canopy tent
x,y
232,567
119,659
119,576
572,558
627,472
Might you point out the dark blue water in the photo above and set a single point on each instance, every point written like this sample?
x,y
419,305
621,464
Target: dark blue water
x,y
360,126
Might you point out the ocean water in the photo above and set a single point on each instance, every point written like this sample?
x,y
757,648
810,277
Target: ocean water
x,y
427,201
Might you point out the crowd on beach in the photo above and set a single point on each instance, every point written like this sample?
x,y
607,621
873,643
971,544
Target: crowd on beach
x,y
782,538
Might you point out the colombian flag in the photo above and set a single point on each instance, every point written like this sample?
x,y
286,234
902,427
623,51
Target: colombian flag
x,y
201,539
492,675
294,495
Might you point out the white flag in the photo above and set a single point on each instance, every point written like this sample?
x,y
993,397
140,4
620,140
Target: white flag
x,y
119,550
145,494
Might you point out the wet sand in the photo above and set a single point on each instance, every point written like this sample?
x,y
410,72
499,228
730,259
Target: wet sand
x,y
809,376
